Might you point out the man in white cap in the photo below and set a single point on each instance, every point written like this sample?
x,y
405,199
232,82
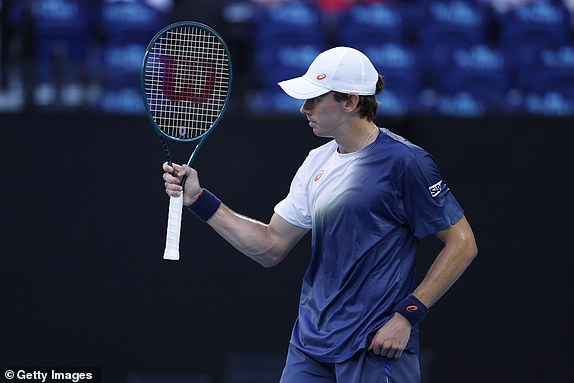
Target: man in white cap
x,y
368,196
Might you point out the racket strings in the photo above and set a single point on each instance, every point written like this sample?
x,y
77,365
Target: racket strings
x,y
186,78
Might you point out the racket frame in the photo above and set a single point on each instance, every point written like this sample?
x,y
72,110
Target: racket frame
x,y
201,138
176,203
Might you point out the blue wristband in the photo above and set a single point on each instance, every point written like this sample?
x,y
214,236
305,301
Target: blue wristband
x,y
205,205
412,309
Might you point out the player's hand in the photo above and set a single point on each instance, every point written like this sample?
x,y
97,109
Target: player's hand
x,y
174,174
391,339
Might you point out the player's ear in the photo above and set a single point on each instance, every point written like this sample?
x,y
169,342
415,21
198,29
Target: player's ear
x,y
351,102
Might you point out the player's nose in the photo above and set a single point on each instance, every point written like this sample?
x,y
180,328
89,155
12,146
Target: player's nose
x,y
307,106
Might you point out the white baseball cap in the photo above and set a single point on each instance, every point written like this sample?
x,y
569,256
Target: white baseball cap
x,y
341,69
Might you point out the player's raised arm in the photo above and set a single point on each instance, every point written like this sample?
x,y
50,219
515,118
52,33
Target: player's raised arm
x,y
266,243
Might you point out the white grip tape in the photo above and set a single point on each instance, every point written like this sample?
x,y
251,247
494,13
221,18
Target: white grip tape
x,y
173,228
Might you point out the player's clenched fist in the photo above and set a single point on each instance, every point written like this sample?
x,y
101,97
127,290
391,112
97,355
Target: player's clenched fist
x,y
173,176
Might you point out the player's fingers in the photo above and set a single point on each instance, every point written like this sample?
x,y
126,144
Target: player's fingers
x,y
174,169
173,185
393,352
177,170
388,349
168,178
385,349
173,189
377,348
167,168
390,353
186,170
376,345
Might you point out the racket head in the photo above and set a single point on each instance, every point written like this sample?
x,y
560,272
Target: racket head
x,y
186,80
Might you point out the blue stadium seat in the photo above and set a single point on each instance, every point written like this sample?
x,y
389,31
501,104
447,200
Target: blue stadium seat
x,y
546,84
400,67
530,28
263,102
372,23
397,103
284,19
122,59
286,60
481,72
522,59
550,87
447,22
121,98
61,32
555,71
131,19
446,27
287,37
561,82
537,22
292,50
461,104
126,28
549,104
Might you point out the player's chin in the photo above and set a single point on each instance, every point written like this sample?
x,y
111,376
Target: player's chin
x,y
320,133
316,129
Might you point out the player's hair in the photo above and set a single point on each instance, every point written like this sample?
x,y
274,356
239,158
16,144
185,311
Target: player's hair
x,y
368,105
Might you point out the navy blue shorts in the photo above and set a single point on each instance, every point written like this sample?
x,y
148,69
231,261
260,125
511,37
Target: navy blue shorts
x,y
364,367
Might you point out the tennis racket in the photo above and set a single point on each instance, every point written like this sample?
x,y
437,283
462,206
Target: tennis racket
x,y
186,86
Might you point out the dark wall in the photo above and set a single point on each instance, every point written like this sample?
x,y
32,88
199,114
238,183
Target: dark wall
x,y
83,282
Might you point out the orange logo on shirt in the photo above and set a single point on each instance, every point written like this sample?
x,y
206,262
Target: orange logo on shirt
x,y
319,175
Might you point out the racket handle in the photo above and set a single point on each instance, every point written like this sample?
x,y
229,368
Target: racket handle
x,y
173,228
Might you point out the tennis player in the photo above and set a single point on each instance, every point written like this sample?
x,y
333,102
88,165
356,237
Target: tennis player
x,y
368,196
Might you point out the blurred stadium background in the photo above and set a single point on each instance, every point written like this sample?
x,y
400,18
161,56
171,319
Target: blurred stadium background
x,y
486,86
455,58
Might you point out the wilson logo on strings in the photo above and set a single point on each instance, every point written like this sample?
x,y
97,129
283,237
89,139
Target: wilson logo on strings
x,y
180,80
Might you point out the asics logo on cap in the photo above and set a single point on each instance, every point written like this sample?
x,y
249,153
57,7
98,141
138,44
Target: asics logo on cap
x,y
321,76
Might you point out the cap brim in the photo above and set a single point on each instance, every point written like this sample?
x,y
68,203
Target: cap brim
x,y
302,89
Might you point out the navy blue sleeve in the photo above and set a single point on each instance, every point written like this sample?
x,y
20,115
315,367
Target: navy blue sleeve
x,y
429,204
